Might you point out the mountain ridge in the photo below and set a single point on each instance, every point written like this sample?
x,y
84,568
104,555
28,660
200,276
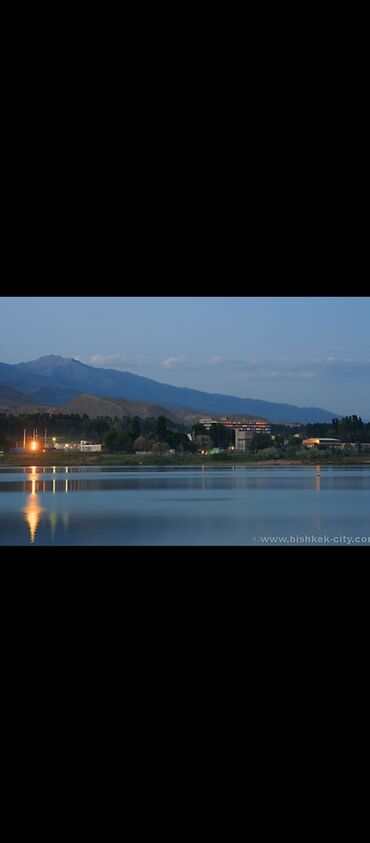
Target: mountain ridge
x,y
13,401
95,405
53,372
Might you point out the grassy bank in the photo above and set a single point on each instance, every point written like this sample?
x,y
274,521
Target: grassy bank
x,y
63,459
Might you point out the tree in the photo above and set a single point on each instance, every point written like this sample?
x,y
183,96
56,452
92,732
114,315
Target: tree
x,y
221,436
203,443
161,429
117,440
110,441
136,427
260,441
160,447
3,442
142,444
198,430
269,453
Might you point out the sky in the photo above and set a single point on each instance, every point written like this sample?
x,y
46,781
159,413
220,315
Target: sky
x,y
309,351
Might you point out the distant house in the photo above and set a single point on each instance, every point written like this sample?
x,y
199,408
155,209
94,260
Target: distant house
x,y
89,447
62,445
321,442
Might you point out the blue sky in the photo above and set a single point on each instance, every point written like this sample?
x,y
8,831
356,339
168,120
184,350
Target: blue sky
x,y
308,351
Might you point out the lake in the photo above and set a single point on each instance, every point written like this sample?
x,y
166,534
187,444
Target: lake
x,y
230,506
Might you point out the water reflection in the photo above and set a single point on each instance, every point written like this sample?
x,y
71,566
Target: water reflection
x,y
228,506
32,510
53,520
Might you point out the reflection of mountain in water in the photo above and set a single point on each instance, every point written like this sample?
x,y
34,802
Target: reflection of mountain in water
x,y
33,510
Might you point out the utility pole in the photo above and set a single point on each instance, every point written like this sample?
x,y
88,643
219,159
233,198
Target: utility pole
x,y
24,439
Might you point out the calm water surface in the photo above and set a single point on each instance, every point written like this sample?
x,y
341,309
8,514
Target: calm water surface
x,y
244,505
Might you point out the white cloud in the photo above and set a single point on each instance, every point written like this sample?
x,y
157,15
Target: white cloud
x,y
289,368
174,362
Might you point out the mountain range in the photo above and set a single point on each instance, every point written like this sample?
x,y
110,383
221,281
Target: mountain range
x,y
17,403
56,381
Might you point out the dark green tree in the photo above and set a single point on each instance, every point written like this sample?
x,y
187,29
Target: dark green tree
x,y
161,429
3,442
142,444
221,436
117,441
160,447
260,441
204,442
136,427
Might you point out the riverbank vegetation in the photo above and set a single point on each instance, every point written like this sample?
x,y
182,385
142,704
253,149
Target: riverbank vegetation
x,y
159,441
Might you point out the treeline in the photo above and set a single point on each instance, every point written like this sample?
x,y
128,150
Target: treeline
x,y
117,434
73,426
122,434
147,435
348,429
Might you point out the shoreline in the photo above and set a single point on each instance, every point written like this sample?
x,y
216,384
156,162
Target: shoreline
x,y
173,461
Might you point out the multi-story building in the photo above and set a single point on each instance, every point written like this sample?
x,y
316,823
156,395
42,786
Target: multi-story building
x,y
251,423
245,427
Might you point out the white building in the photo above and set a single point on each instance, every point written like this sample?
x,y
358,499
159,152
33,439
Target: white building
x,y
88,447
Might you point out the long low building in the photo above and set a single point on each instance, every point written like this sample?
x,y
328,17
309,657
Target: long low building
x,y
84,447
326,442
254,424
251,423
321,442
